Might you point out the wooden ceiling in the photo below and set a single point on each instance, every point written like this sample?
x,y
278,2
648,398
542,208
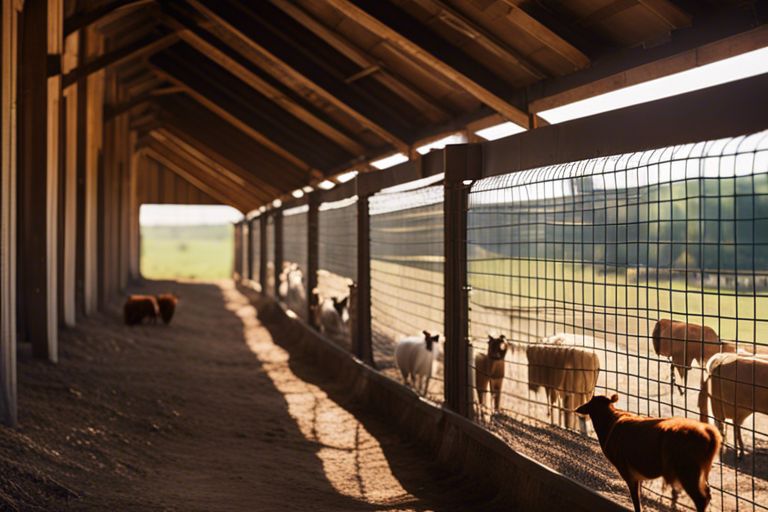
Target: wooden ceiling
x,y
277,94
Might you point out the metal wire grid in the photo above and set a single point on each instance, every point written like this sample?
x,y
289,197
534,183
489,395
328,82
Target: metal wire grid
x,y
407,259
601,250
295,250
255,226
269,286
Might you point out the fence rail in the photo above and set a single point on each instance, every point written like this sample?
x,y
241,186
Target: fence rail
x,y
585,258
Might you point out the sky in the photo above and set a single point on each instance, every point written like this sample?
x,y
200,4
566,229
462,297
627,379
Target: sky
x,y
735,68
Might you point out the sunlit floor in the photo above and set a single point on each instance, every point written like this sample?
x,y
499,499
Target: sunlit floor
x,y
205,414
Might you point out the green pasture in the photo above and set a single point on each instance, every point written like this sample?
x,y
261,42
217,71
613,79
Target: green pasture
x,y
520,284
187,252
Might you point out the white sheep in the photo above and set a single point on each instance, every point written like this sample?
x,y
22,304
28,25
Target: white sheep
x,y
296,295
415,356
333,319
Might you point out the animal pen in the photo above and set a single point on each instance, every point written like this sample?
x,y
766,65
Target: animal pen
x,y
554,248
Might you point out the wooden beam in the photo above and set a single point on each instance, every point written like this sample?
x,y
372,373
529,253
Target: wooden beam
x,y
110,112
425,53
547,37
409,93
668,12
142,47
241,125
274,61
202,43
706,54
83,19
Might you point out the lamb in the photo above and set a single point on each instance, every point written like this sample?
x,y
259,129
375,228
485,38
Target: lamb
x,y
139,307
415,356
293,292
167,304
680,450
566,372
738,387
333,319
684,343
489,370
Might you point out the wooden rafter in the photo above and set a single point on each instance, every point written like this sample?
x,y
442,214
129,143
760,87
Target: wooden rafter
x,y
378,70
668,12
427,57
233,119
200,42
110,112
273,60
142,47
83,19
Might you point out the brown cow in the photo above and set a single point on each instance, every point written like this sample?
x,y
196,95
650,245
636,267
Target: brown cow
x,y
167,304
679,450
139,307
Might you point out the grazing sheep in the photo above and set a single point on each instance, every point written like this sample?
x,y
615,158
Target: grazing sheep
x,y
415,356
684,343
292,290
679,450
489,370
567,373
738,387
167,305
139,307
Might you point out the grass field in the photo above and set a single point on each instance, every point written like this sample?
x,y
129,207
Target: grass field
x,y
187,252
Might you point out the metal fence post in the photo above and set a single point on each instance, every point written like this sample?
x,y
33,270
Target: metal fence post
x,y
263,252
278,216
313,224
363,341
462,164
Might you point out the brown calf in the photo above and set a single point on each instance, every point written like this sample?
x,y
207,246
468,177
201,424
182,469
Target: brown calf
x,y
489,370
167,304
679,450
139,307
685,343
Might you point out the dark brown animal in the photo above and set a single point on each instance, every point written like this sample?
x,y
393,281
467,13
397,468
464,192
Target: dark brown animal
x,y
679,450
167,304
489,370
139,307
684,343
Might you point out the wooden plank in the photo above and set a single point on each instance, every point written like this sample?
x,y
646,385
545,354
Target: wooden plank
x,y
200,42
409,93
668,12
141,48
427,57
84,18
724,48
298,77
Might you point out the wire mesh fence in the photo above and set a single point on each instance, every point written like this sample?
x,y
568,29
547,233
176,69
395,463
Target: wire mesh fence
x,y
628,274
337,267
407,259
292,276
255,230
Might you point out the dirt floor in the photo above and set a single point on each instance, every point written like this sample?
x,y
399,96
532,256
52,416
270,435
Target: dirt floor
x,y
206,414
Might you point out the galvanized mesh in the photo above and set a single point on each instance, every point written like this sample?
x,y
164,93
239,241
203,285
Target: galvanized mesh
x,y
293,276
596,252
407,258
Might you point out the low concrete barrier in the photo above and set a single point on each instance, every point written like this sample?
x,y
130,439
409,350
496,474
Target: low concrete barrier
x,y
509,479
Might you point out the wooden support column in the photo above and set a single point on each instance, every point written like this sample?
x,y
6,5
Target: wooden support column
x,y
278,216
237,264
263,253
462,164
363,338
38,179
313,224
251,270
8,198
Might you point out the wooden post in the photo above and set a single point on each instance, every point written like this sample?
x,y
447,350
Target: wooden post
x,y
251,270
263,253
38,180
8,199
313,224
461,163
278,216
236,267
363,340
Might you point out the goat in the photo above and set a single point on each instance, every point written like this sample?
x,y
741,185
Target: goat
x,y
139,307
292,289
334,319
415,356
737,384
566,372
684,343
679,450
166,303
489,370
